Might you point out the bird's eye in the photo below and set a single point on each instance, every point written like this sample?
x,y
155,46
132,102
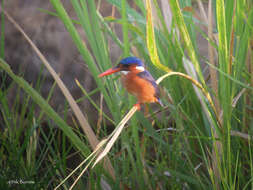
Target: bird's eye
x,y
124,67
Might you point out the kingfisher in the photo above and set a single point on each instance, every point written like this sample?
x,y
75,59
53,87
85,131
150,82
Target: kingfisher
x,y
137,80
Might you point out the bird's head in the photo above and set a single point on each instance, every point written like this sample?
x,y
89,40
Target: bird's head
x,y
129,64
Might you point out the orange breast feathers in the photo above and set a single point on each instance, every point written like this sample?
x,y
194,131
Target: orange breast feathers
x,y
139,87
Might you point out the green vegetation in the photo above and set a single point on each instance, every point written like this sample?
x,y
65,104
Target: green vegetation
x,y
201,139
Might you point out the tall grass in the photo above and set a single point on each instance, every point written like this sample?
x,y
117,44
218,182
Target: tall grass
x,y
194,142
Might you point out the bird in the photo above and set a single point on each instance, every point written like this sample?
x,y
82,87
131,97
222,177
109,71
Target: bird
x,y
137,80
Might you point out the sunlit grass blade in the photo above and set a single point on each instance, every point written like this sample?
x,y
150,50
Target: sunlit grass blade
x,y
99,153
197,84
150,37
115,134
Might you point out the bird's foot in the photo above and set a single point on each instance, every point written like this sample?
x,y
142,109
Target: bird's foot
x,y
138,105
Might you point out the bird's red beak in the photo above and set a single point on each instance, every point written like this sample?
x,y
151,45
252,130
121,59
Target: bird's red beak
x,y
109,72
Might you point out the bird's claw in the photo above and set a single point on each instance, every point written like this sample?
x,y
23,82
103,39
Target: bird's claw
x,y
138,105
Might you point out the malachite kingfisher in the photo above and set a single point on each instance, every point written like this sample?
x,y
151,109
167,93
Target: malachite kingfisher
x,y
137,80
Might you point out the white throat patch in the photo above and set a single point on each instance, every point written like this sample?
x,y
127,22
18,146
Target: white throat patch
x,y
124,72
140,68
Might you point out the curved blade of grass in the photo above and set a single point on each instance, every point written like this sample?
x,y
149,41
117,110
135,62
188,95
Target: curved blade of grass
x,y
82,120
196,83
151,44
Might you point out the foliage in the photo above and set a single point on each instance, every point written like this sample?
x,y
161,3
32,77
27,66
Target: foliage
x,y
197,141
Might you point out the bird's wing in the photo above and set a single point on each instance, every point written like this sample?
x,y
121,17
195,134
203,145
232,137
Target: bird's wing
x,y
147,76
